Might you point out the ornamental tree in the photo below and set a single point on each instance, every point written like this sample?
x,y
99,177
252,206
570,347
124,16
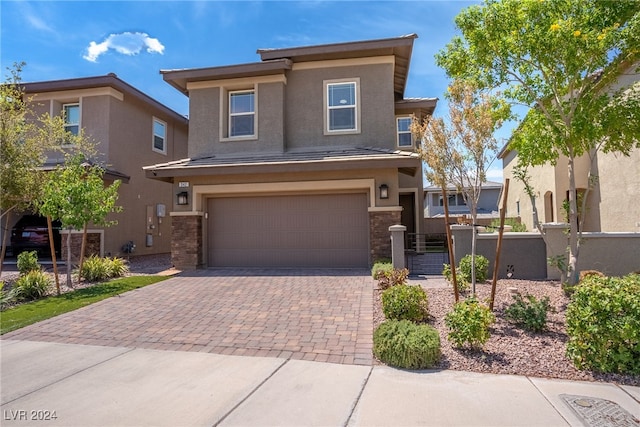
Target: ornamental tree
x,y
76,195
459,151
560,59
22,152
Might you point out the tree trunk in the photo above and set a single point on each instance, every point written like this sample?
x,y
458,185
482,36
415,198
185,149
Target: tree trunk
x,y
69,258
452,257
52,246
572,272
3,252
474,239
82,249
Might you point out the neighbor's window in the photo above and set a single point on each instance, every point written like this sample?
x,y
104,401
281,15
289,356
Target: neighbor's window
x,y
403,126
71,118
159,136
342,106
242,112
453,199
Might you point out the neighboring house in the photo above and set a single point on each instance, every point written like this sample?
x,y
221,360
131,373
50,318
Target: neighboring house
x,y
612,203
487,203
131,130
304,159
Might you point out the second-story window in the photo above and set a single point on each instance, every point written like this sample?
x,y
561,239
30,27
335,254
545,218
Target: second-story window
x,y
242,113
71,118
342,107
159,136
403,126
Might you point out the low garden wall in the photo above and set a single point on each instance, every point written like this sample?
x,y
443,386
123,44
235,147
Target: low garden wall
x,y
524,255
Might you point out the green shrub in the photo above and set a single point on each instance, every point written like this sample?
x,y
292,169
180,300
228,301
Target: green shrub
x,y
469,323
482,268
117,267
530,314
603,324
406,345
95,269
380,266
516,225
6,297
463,284
33,285
404,302
28,261
393,277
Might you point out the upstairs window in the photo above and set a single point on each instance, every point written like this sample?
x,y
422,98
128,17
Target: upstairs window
x,y
159,142
242,112
342,113
71,118
403,127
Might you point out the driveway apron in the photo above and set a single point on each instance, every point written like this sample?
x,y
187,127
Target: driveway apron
x,y
319,315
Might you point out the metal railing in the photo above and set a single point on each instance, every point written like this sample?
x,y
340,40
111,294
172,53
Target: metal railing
x,y
419,243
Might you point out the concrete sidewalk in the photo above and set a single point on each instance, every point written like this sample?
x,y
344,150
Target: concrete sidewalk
x,y
83,385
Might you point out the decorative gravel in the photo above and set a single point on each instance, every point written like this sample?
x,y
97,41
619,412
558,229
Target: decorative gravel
x,y
510,350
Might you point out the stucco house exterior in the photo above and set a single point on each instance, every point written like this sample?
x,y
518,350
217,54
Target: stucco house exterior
x,y
303,159
487,203
612,203
131,129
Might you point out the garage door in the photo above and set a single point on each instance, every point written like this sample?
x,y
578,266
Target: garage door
x,y
330,230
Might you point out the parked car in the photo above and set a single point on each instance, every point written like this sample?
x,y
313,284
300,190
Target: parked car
x,y
32,234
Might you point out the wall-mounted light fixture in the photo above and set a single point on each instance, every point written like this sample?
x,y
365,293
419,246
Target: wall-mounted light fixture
x,y
183,198
384,191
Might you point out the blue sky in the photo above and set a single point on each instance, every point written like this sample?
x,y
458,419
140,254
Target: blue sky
x,y
136,39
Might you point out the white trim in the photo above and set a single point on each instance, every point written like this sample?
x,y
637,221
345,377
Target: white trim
x,y
386,209
187,213
253,113
224,117
68,95
153,135
326,109
412,145
350,62
238,83
63,112
201,191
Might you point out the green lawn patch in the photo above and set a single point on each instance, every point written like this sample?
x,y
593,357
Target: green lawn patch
x,y
32,312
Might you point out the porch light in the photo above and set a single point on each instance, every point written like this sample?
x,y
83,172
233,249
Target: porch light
x,y
183,198
384,191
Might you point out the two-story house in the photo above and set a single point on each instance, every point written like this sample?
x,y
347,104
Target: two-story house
x,y
611,204
131,130
304,159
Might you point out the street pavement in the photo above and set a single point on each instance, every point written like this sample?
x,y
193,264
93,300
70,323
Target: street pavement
x,y
61,384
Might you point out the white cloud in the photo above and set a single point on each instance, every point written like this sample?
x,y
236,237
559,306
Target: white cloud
x,y
125,43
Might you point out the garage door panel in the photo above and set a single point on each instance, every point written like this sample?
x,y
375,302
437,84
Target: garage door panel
x,y
289,231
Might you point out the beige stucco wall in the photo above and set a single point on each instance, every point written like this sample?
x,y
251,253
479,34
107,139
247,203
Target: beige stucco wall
x,y
317,181
305,107
612,201
122,128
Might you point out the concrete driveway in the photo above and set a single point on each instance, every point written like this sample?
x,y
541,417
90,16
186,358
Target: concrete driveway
x,y
315,315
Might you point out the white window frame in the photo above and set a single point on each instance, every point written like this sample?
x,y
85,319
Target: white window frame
x,y
153,136
68,124
327,108
230,115
399,132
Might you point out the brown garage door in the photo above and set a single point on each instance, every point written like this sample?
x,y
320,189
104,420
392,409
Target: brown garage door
x,y
329,230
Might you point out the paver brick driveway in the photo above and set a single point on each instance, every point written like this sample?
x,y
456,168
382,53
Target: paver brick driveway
x,y
321,315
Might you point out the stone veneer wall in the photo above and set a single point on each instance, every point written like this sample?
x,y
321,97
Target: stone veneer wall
x,y
92,246
186,241
379,235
